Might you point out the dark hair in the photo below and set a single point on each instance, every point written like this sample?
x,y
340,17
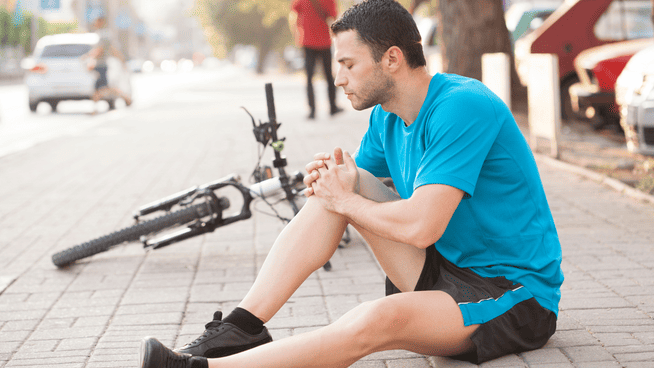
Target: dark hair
x,y
381,24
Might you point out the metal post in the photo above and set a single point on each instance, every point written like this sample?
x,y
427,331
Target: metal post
x,y
544,101
496,75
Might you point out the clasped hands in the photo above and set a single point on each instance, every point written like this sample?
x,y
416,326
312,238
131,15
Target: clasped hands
x,y
332,178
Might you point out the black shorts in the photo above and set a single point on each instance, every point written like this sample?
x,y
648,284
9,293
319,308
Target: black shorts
x,y
102,80
526,326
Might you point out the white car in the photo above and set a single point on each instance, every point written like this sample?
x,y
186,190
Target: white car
x,y
58,70
634,92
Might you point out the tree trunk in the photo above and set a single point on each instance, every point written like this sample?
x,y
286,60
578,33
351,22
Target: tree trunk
x,y
470,28
268,37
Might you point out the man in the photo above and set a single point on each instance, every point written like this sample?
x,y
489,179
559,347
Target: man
x,y
98,63
312,19
471,231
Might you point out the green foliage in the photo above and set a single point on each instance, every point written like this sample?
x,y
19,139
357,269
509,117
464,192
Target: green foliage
x,y
271,11
21,34
13,31
24,34
59,27
263,24
5,26
646,184
251,22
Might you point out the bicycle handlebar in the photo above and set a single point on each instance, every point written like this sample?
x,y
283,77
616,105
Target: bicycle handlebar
x,y
264,133
270,99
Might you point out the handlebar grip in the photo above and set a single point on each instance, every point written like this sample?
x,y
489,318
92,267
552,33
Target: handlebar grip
x,y
273,185
266,187
270,99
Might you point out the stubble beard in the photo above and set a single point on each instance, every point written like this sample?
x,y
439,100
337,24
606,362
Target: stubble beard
x,y
377,91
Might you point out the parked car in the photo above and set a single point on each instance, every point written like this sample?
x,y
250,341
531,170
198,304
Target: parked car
x,y
524,17
58,71
635,96
598,69
578,25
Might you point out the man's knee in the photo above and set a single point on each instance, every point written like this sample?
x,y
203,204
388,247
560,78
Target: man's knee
x,y
377,324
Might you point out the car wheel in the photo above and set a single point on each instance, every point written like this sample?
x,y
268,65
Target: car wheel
x,y
33,106
53,104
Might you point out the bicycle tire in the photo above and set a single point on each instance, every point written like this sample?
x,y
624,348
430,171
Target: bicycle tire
x,y
128,234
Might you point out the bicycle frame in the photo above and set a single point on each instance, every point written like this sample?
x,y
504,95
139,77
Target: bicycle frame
x,y
264,133
191,219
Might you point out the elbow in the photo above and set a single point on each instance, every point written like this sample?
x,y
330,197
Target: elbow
x,y
426,242
424,237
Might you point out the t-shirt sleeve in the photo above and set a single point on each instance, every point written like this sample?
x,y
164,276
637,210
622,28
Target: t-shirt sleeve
x,y
370,154
458,137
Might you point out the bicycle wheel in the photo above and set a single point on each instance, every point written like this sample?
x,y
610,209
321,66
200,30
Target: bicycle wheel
x,y
128,234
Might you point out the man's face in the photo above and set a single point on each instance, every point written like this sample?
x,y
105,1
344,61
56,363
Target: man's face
x,y
365,83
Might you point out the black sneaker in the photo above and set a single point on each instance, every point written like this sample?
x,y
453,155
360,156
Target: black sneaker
x,y
221,339
155,355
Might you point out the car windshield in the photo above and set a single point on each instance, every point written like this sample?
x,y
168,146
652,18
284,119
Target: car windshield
x,y
65,51
625,21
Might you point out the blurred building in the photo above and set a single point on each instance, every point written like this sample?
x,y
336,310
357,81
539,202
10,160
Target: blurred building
x,y
142,29
126,26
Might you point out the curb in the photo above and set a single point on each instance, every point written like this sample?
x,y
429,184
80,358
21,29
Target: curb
x,y
615,184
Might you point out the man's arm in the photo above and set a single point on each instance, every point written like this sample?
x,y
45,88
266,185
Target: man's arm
x,y
419,220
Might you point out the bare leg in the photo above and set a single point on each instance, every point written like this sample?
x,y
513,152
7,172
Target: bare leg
x,y
310,240
426,322
305,245
402,263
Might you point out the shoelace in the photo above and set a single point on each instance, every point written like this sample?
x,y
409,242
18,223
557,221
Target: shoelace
x,y
213,325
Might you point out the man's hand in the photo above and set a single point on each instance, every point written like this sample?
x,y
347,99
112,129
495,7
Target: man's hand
x,y
336,182
318,162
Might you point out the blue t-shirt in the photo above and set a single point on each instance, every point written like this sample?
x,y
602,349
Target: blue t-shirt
x,y
467,138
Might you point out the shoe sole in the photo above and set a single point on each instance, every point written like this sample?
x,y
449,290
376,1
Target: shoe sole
x,y
223,352
143,353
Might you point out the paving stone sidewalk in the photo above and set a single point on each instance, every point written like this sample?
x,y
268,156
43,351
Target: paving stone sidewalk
x,y
94,314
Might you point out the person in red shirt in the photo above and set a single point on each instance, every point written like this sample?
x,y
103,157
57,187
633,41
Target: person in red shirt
x,y
313,18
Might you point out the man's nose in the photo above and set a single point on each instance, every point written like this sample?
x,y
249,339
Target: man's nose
x,y
339,80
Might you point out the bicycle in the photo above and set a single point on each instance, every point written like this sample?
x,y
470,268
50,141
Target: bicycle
x,y
206,216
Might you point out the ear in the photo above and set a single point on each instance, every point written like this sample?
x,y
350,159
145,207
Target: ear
x,y
393,58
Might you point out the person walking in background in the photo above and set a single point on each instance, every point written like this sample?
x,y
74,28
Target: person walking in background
x,y
98,63
312,19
